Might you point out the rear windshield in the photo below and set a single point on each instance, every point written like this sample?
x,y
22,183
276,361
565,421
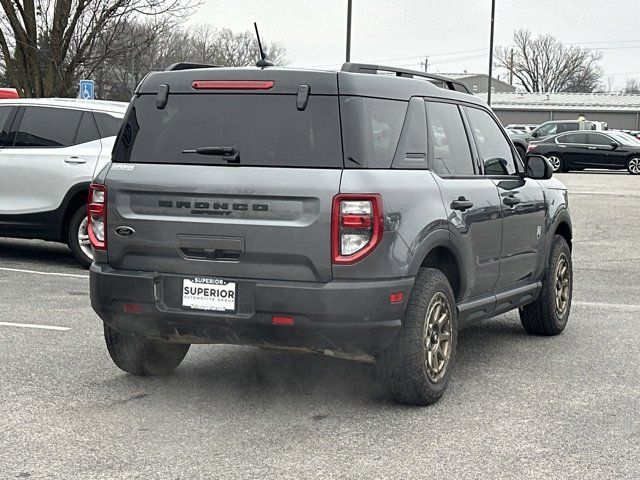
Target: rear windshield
x,y
266,130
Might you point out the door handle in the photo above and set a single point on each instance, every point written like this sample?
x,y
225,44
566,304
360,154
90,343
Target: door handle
x,y
592,148
562,146
461,204
511,200
75,160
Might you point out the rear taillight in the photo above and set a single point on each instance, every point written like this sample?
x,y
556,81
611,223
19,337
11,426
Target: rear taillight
x,y
357,226
97,216
531,147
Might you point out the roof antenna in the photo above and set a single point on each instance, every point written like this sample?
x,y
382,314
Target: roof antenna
x,y
263,62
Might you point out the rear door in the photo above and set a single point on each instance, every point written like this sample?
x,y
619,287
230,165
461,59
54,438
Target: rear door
x,y
263,211
573,148
471,201
43,163
521,201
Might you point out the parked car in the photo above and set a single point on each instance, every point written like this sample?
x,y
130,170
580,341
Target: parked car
x,y
579,150
520,140
49,152
352,213
8,93
554,127
523,128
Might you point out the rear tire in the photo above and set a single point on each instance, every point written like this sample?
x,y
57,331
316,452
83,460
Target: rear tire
x,y
556,162
549,313
78,239
416,367
142,356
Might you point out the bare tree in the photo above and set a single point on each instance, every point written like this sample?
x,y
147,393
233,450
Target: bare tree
x,y
544,64
150,50
46,44
632,85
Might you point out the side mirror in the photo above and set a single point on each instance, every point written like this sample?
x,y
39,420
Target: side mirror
x,y
537,167
534,134
614,145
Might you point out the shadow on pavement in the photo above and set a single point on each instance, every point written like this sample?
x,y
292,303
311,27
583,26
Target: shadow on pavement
x,y
29,253
226,375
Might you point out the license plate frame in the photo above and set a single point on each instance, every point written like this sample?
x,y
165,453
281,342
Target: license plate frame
x,y
209,294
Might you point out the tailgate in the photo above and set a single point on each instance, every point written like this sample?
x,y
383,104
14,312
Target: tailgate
x,y
222,221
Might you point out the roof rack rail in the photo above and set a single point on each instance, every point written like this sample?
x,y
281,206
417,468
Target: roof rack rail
x,y
188,66
437,80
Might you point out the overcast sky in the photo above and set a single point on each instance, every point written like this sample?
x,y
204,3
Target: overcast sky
x,y
454,34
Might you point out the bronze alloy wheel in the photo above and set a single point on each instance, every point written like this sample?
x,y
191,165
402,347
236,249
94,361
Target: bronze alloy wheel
x,y
437,337
561,277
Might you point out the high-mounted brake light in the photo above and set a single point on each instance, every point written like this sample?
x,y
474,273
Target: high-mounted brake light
x,y
356,226
233,84
97,216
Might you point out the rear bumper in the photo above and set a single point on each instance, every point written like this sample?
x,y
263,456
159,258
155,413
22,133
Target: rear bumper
x,y
343,316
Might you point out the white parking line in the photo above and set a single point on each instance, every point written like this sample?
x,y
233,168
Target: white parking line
x,y
30,325
19,270
615,306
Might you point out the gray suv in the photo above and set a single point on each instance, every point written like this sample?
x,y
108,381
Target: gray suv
x,y
367,214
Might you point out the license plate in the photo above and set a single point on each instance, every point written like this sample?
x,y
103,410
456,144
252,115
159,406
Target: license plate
x,y
212,294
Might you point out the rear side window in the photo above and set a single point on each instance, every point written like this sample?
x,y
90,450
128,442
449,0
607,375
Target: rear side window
x,y
580,138
371,129
452,154
5,120
47,127
266,130
87,131
495,150
108,125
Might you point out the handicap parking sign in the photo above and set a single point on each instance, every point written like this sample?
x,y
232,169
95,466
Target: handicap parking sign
x,y
86,89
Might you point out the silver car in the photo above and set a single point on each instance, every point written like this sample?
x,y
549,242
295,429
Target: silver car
x,y
50,150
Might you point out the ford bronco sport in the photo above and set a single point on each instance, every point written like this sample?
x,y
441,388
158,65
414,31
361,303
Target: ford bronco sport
x,y
368,213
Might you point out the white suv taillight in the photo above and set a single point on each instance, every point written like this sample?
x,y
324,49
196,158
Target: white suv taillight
x,y
97,216
357,226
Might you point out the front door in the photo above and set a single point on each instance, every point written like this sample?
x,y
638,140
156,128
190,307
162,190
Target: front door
x,y
471,201
521,201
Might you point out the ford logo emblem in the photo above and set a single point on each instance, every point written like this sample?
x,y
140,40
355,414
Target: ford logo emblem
x,y
125,231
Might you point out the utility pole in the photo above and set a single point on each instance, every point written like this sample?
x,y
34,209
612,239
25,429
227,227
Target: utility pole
x,y
349,30
425,64
493,14
511,69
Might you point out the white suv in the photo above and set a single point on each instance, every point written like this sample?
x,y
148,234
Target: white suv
x,y
50,150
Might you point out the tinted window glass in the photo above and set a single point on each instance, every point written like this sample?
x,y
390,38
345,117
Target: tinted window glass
x,y
412,147
87,131
452,154
108,125
598,139
5,113
266,130
371,129
47,127
573,138
546,130
568,127
495,150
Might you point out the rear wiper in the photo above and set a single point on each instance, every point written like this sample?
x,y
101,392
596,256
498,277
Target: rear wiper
x,y
230,154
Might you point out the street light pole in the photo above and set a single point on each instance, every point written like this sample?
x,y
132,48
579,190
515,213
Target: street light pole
x,y
493,14
348,30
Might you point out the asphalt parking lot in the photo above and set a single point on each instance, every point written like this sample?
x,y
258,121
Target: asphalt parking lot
x,y
518,406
